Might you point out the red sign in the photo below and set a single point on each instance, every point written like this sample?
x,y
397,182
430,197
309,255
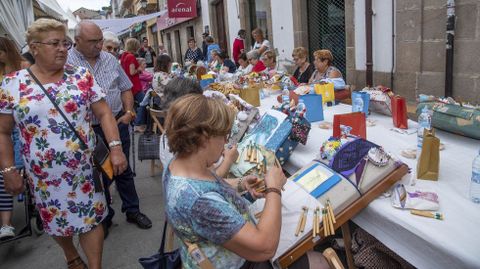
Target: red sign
x,y
182,8
165,22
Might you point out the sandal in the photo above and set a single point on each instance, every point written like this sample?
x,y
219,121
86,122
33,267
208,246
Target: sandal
x,y
76,263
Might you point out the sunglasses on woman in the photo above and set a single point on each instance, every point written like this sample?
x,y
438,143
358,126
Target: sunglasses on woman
x,y
111,48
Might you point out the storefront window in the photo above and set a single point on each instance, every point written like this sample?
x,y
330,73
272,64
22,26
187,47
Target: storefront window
x,y
260,15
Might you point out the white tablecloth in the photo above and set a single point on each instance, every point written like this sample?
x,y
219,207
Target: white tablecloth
x,y
424,242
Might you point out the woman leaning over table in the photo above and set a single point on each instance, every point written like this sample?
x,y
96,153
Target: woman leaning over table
x,y
244,67
254,59
269,59
225,63
304,69
206,209
59,168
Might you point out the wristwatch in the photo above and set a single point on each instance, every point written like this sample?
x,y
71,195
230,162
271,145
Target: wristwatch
x,y
114,143
133,114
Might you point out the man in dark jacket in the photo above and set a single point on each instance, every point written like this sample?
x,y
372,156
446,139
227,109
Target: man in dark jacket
x,y
205,46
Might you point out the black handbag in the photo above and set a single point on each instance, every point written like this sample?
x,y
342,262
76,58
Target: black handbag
x,y
149,146
162,260
101,153
149,143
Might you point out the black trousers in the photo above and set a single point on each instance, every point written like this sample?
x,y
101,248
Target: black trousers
x,y
125,182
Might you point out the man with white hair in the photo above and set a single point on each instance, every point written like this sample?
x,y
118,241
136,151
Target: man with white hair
x,y
110,76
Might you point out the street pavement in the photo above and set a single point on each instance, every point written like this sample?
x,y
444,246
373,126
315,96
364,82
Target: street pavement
x,y
125,244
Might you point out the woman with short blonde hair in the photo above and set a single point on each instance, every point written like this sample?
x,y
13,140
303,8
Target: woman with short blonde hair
x,y
67,193
324,68
132,45
270,60
304,69
132,68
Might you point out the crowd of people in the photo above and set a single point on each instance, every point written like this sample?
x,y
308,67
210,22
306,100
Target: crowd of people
x,y
55,107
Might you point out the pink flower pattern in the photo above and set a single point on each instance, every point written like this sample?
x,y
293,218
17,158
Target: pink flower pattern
x,y
60,170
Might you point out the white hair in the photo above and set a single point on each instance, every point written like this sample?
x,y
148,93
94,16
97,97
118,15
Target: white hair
x,y
253,54
111,37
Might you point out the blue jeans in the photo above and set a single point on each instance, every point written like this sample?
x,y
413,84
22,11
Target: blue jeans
x,y
141,118
125,183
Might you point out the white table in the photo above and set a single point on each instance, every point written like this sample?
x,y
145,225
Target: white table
x,y
424,242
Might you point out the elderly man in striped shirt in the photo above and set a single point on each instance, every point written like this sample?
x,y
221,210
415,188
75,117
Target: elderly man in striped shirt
x,y
110,76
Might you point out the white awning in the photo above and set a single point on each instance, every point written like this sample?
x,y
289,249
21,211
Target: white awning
x,y
52,8
15,17
120,26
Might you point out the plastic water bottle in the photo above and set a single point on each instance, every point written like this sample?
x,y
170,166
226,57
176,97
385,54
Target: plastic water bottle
x,y
357,104
285,104
286,101
286,92
301,108
424,121
475,183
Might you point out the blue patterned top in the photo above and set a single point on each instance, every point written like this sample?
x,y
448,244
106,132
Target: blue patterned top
x,y
208,213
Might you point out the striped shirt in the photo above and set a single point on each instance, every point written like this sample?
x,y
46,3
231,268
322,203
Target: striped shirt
x,y
6,199
109,75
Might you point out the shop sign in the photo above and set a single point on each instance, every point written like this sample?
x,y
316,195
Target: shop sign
x,y
165,22
182,8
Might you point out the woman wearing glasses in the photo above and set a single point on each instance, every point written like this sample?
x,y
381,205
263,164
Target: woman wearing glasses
x,y
111,43
58,164
304,69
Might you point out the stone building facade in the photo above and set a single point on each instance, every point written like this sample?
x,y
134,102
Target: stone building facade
x,y
409,39
420,47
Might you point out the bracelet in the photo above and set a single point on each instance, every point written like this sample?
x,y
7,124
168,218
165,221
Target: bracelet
x,y
239,184
275,190
114,143
8,169
133,114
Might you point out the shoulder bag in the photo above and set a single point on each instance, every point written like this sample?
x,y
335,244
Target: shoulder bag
x,y
101,153
162,260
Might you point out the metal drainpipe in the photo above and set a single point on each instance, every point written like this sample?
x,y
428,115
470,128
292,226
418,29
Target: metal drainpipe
x,y
368,36
393,45
449,47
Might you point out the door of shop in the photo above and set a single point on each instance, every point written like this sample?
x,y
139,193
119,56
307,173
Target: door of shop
x,y
326,29
178,48
221,32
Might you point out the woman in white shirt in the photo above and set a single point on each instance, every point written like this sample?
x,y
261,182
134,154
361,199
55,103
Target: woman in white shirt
x,y
261,44
244,67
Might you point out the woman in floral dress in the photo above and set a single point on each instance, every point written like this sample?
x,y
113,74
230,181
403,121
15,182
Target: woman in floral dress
x,y
66,195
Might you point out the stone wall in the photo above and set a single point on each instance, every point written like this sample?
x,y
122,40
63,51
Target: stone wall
x,y
420,49
177,54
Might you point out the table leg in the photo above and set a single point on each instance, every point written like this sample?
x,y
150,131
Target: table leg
x,y
347,240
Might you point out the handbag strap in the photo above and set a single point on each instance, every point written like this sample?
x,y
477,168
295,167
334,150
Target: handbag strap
x,y
58,108
162,244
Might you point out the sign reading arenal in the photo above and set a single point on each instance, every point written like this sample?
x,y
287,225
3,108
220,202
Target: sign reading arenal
x,y
182,8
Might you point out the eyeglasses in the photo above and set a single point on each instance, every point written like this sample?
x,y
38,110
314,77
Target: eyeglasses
x,y
57,43
110,48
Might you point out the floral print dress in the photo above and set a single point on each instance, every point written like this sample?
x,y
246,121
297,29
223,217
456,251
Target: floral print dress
x,y
60,171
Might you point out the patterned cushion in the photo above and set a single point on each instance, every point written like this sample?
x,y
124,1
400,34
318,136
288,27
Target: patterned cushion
x,y
454,118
